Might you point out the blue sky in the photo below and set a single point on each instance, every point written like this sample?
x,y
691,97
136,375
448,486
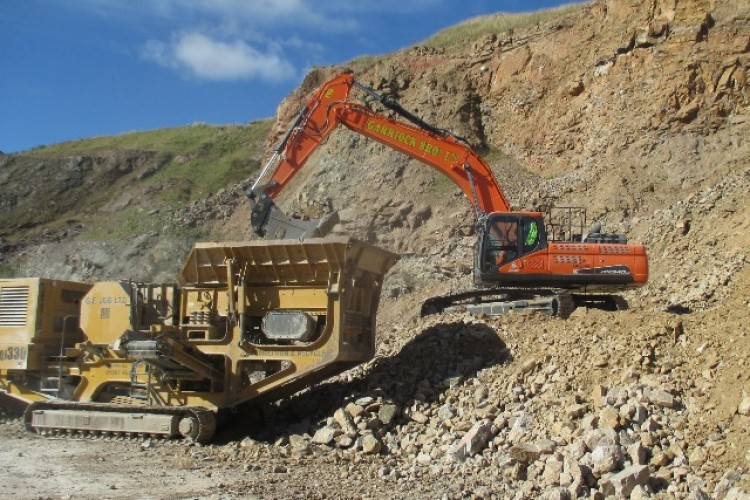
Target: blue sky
x,y
71,69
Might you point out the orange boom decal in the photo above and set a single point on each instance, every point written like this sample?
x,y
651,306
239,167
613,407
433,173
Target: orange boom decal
x,y
392,133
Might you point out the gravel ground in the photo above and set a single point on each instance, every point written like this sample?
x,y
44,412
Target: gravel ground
x,y
640,402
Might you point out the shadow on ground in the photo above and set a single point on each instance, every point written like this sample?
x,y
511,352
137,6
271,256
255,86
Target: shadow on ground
x,y
429,364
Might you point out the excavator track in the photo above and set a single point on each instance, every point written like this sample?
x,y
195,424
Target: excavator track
x,y
499,301
50,418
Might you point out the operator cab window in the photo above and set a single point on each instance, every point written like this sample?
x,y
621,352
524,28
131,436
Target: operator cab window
x,y
509,237
501,244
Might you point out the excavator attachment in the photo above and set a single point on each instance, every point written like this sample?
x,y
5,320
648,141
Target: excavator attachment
x,y
269,221
247,323
282,226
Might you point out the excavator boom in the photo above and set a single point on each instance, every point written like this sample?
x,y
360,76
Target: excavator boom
x,y
330,107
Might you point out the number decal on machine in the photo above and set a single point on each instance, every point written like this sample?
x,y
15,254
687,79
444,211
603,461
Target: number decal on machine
x,y
12,353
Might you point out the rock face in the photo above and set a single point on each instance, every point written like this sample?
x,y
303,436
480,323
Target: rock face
x,y
63,204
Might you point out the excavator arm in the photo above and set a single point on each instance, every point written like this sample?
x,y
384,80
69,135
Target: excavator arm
x,y
330,107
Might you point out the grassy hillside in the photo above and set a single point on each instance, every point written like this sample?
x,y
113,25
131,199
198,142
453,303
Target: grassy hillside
x,y
125,185
208,157
474,29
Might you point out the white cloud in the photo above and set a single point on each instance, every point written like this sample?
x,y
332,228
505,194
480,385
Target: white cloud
x,y
209,59
241,14
223,40
331,15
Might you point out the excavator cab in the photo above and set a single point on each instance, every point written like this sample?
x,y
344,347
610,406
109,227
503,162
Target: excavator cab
x,y
505,237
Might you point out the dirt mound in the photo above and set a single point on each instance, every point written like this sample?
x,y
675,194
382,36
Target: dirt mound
x,y
645,117
636,400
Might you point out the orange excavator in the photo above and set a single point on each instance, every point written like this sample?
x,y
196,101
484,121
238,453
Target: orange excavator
x,y
520,263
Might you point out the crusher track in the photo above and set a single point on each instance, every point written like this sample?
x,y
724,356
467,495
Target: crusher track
x,y
101,419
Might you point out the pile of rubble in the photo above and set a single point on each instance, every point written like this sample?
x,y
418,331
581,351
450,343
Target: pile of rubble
x,y
522,406
702,242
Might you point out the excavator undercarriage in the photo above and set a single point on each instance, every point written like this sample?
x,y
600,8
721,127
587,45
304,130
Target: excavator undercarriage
x,y
246,323
495,302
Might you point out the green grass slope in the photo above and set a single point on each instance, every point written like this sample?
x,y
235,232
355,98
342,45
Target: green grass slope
x,y
122,186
